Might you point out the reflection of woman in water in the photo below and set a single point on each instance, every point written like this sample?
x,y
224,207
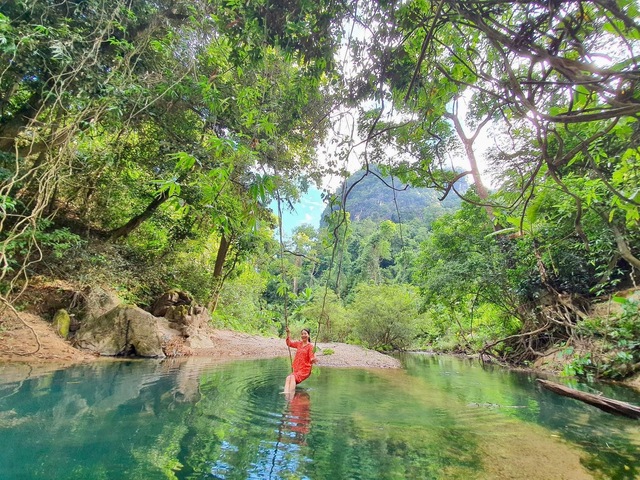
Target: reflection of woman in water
x,y
292,436
302,362
298,416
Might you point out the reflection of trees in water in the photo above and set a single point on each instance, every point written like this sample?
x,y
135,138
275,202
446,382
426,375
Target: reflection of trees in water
x,y
89,421
603,437
604,440
359,446
140,419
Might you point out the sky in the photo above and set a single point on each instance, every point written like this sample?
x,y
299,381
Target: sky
x,y
345,147
308,210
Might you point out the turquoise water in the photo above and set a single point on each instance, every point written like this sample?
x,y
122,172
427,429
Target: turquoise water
x,y
438,418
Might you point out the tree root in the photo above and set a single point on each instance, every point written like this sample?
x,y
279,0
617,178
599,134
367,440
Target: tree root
x,y
552,323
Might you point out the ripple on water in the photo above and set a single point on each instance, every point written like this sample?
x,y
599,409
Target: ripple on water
x,y
254,397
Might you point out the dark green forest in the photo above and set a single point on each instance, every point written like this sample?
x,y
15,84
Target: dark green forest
x,y
141,144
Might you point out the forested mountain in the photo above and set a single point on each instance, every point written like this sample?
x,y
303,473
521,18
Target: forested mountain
x,y
374,196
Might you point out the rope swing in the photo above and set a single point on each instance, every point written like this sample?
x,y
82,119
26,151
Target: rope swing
x,y
323,313
285,286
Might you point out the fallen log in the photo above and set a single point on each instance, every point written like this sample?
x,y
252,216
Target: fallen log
x,y
603,403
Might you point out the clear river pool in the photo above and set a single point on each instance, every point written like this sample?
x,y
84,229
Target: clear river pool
x,y
437,418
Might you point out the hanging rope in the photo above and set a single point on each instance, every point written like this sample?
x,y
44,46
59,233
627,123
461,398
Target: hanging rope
x,y
286,293
336,238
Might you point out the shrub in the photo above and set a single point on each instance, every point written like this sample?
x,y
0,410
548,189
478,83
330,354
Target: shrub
x,y
240,306
620,345
329,314
385,316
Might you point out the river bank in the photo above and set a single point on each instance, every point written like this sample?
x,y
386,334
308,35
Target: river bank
x,y
30,339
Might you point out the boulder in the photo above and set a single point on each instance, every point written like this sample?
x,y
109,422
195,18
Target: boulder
x,y
62,322
187,319
124,330
199,340
610,307
172,298
98,301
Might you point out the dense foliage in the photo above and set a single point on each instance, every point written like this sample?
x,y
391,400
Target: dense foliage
x,y
142,142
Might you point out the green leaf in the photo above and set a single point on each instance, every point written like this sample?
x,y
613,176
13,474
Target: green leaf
x,y
184,161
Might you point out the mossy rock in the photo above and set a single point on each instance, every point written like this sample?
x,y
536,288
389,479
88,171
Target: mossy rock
x,y
61,322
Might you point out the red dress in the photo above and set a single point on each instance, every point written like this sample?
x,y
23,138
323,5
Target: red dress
x,y
302,360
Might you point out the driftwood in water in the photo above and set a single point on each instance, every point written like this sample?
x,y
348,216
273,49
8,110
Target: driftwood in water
x,y
603,403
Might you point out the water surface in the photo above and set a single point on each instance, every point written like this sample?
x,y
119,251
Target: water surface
x,y
438,418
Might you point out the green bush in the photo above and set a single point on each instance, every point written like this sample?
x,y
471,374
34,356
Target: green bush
x,y
240,306
326,314
619,340
385,316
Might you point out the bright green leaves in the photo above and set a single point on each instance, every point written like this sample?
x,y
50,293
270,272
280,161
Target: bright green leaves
x,y
262,187
612,167
282,289
221,147
626,181
8,39
385,316
184,161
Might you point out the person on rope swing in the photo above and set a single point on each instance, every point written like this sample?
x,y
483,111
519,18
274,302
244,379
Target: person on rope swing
x,y
302,362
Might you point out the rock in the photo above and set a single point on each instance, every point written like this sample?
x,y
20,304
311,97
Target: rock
x,y
610,308
99,301
124,330
188,319
167,330
74,326
199,340
61,323
190,322
168,299
127,330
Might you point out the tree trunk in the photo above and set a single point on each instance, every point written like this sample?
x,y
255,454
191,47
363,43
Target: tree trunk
x,y
21,119
218,268
623,247
603,403
542,270
225,243
298,263
481,189
136,221
621,242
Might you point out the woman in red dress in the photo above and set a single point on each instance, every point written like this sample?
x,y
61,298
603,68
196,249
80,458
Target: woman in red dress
x,y
302,362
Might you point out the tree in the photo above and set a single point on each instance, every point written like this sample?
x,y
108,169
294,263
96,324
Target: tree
x,y
144,109
559,79
529,65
